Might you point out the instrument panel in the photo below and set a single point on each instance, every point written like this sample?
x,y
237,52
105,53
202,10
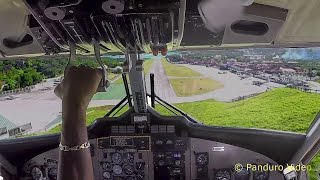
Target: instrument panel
x,y
159,156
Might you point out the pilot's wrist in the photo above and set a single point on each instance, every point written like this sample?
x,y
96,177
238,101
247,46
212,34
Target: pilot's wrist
x,y
74,103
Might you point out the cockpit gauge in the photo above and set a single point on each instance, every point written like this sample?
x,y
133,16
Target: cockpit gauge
x,y
244,174
128,157
202,159
222,174
52,173
106,165
116,158
106,175
128,169
36,173
117,170
261,175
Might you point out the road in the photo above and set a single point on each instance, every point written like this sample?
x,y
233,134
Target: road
x,y
40,106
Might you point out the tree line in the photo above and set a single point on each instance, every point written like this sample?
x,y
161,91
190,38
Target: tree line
x,y
25,72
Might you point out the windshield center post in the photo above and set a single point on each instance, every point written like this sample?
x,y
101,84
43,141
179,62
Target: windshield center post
x,y
137,81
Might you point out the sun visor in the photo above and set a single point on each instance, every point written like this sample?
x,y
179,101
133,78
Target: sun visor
x,y
252,24
259,24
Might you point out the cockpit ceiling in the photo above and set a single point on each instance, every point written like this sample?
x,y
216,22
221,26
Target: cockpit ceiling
x,y
302,24
291,23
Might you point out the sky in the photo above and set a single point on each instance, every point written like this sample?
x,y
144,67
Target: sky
x,y
302,53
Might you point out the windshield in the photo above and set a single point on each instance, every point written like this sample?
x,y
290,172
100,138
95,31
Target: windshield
x,y
276,89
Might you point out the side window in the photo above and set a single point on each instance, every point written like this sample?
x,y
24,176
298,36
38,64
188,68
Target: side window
x,y
314,173
28,105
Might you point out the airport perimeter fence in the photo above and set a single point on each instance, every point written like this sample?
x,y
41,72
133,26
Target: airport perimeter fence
x,y
305,89
245,97
17,91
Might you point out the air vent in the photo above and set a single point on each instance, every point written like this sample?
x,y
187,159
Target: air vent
x,y
26,40
250,28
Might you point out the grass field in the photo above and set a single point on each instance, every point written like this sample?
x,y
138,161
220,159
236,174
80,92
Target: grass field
x,y
147,64
186,82
119,81
193,86
279,109
178,70
111,76
115,91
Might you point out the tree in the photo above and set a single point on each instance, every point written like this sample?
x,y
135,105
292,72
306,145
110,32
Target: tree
x,y
26,79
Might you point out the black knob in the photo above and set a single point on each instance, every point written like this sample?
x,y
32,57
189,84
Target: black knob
x,y
160,162
177,162
140,165
140,176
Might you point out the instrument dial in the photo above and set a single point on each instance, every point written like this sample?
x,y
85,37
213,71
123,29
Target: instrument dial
x,y
106,165
261,175
117,170
140,165
244,174
128,157
52,173
128,169
36,173
202,158
106,175
116,158
223,175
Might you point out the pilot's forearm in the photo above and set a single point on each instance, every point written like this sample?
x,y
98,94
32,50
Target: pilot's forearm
x,y
74,130
75,165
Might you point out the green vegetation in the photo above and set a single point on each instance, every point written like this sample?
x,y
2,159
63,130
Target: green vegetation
x,y
186,82
178,70
26,72
279,109
92,114
119,81
315,164
147,64
112,76
115,91
194,86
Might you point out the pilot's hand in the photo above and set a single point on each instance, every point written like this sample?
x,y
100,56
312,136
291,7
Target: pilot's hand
x,y
79,85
